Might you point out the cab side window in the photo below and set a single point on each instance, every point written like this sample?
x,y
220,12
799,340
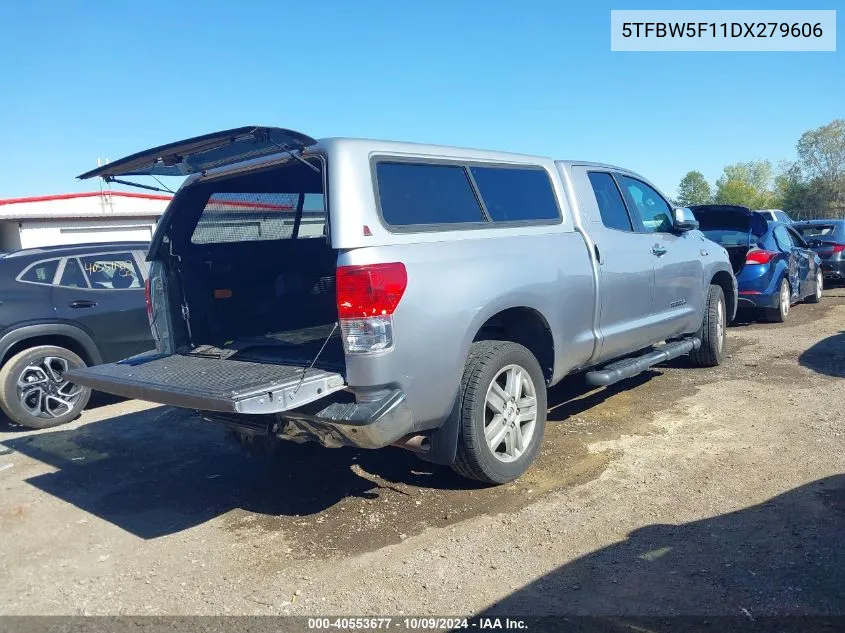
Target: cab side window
x,y
614,215
654,212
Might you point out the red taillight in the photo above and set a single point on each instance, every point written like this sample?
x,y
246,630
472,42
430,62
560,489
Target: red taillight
x,y
149,300
758,256
836,248
371,290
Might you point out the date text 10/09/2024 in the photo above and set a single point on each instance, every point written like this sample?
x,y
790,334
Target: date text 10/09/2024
x,y
416,624
723,29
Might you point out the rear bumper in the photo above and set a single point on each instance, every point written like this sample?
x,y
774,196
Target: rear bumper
x,y
377,422
834,269
758,300
374,423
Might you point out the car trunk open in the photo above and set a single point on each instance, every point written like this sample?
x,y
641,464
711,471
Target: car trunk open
x,y
249,274
733,227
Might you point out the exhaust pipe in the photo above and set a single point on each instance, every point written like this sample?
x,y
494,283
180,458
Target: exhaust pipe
x,y
414,443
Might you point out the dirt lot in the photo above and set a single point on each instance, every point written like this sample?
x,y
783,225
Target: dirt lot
x,y
682,491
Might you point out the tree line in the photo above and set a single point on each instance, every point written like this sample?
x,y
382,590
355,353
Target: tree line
x,y
812,186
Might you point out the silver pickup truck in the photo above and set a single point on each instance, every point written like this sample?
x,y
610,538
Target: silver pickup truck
x,y
373,293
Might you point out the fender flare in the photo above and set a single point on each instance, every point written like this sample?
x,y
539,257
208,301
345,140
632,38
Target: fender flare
x,y
74,332
444,439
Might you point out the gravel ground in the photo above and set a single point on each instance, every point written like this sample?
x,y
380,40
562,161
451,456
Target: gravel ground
x,y
716,491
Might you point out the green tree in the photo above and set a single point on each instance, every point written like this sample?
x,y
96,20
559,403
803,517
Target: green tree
x,y
821,161
694,189
821,152
749,184
733,191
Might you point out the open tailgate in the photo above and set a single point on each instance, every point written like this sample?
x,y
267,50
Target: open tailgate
x,y
210,384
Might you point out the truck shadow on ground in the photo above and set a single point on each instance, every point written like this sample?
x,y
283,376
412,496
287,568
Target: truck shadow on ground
x,y
827,356
781,557
163,470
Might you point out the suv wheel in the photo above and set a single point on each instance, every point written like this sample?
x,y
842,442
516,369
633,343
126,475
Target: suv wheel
x,y
779,314
713,330
33,391
502,411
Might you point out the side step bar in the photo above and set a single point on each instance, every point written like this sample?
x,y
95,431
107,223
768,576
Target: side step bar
x,y
632,366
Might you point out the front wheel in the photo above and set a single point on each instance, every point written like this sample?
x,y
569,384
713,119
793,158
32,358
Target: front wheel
x,y
502,412
713,330
34,392
817,295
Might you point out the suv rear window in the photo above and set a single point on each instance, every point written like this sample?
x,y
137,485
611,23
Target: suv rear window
x,y
421,193
516,194
42,272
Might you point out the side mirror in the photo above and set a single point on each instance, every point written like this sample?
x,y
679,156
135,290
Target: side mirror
x,y
683,219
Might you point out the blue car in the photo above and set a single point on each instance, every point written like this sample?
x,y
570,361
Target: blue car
x,y
774,266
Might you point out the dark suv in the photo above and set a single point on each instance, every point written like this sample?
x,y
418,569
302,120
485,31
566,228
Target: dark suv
x,y
64,307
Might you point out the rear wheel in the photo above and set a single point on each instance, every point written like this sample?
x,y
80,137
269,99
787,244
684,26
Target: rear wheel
x,y
713,330
817,295
502,412
33,391
779,314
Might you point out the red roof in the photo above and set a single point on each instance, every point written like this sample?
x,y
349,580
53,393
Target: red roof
x,y
88,194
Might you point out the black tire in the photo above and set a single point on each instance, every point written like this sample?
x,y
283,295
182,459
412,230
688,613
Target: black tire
x,y
475,459
14,370
779,314
713,330
816,297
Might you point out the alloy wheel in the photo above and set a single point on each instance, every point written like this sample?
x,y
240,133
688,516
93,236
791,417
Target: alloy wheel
x,y
784,299
510,413
720,325
43,391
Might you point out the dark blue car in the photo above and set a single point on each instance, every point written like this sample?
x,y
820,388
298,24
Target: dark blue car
x,y
827,238
774,266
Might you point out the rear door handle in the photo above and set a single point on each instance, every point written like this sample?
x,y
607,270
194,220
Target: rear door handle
x,y
82,303
658,250
598,253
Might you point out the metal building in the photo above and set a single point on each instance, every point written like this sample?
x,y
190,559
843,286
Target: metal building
x,y
75,218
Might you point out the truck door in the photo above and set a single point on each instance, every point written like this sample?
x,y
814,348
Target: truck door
x,y
678,266
626,270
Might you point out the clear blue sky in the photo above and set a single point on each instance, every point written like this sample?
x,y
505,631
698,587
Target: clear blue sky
x,y
82,81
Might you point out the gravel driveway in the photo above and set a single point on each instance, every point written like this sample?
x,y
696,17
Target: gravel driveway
x,y
694,491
